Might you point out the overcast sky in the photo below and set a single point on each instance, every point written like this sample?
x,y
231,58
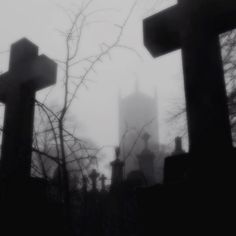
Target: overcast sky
x,y
96,109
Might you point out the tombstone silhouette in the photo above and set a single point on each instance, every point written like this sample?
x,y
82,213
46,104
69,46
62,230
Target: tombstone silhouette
x,y
194,26
27,74
117,169
94,176
103,179
146,160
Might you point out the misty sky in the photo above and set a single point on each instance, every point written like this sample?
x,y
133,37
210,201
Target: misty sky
x,y
96,108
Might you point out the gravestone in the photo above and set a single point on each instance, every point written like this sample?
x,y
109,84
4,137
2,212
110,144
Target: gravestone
x,y
146,161
103,179
117,169
176,166
94,176
27,74
178,146
194,26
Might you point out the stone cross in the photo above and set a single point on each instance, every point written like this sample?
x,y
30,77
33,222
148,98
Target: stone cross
x,y
27,74
103,179
194,26
93,176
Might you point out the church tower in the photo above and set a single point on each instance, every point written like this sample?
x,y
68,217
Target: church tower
x,y
137,115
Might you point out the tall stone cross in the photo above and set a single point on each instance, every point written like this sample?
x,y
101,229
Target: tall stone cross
x,y
27,74
194,26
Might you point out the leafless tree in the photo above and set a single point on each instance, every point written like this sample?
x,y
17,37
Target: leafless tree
x,y
228,42
56,139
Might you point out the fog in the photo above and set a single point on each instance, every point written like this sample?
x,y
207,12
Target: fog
x,y
96,108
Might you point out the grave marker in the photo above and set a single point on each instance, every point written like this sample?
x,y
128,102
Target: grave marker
x,y
93,176
194,26
27,74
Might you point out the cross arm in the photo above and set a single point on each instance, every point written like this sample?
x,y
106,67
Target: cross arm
x,y
161,32
44,72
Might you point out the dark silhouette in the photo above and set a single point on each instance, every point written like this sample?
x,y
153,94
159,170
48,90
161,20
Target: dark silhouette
x,y
194,26
176,166
198,186
117,169
94,176
27,74
178,146
103,179
146,161
20,195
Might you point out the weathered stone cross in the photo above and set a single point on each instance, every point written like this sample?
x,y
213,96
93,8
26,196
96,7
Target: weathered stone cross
x,y
194,26
27,74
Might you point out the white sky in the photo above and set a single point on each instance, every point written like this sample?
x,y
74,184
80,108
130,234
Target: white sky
x,y
96,108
